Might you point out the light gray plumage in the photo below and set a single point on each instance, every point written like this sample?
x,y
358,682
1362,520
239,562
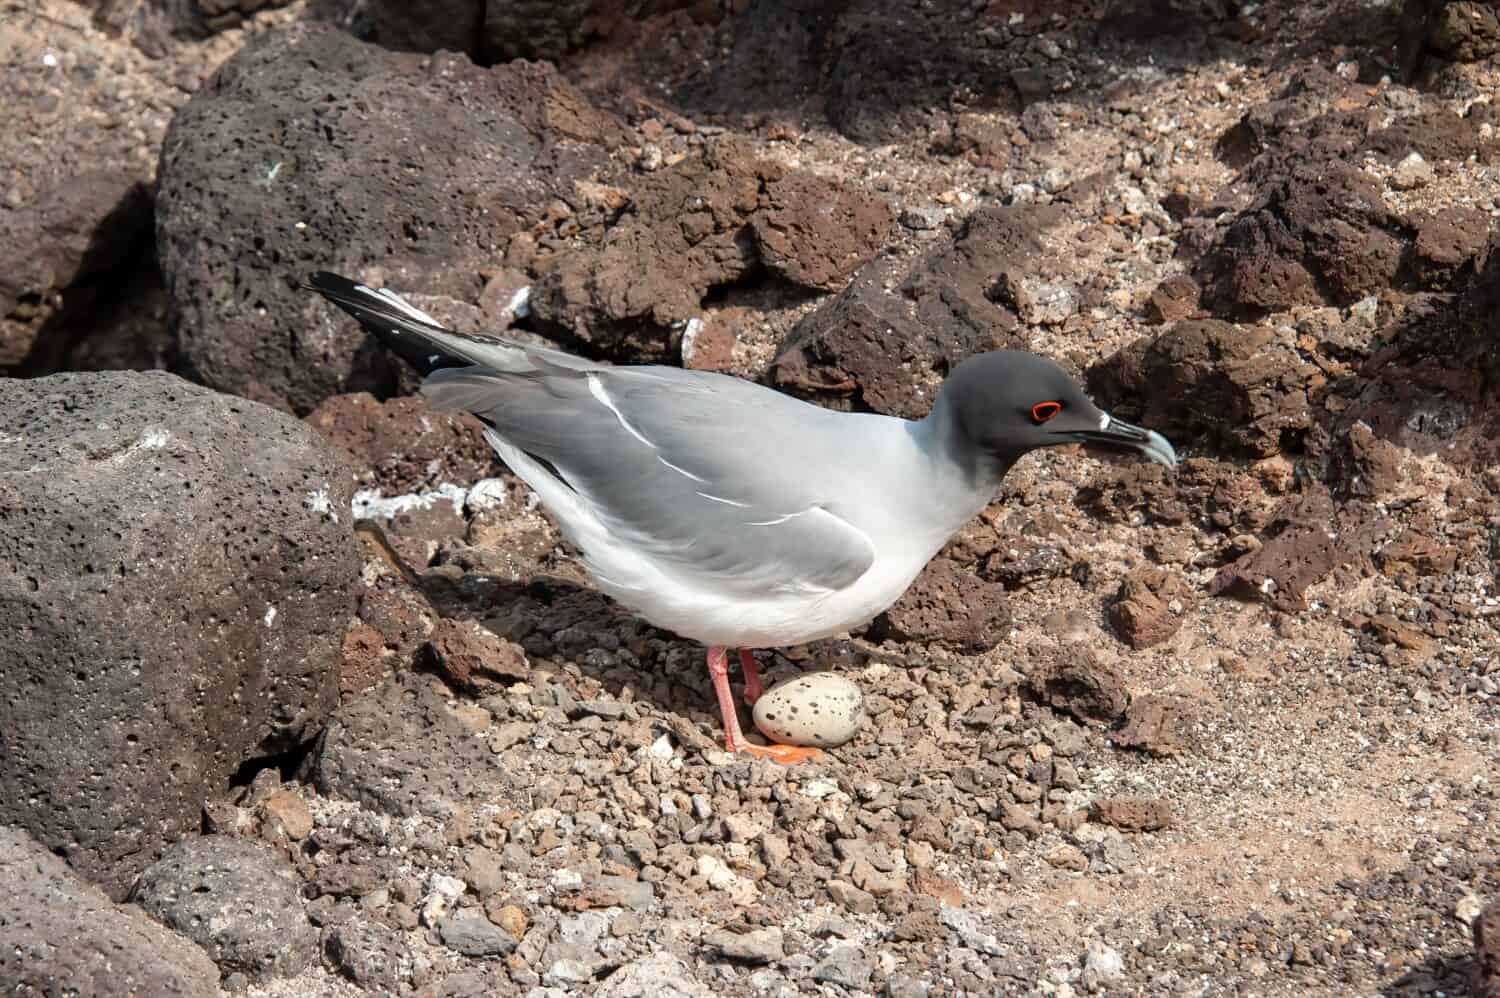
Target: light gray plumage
x,y
724,510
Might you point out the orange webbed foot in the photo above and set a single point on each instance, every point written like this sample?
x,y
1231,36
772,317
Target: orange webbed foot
x,y
787,755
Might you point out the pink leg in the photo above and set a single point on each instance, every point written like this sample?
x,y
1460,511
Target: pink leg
x,y
753,686
734,740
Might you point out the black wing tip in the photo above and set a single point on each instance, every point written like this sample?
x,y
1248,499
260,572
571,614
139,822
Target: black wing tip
x,y
327,282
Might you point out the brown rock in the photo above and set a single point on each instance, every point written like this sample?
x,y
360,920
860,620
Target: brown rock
x,y
680,235
509,917
710,346
1134,814
401,445
1448,243
927,882
1074,680
64,937
1067,857
1322,227
816,233
1464,30
1150,606
1020,818
400,614
851,897
1232,385
289,811
363,662
1416,555
1486,970
891,350
463,652
1311,537
1388,630
410,530
948,606
1173,299
1155,724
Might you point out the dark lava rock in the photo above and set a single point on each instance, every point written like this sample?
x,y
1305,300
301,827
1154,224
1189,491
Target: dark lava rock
x,y
1320,232
1444,355
646,258
368,953
948,606
401,749
236,898
155,26
816,232
1317,229
1460,30
466,653
1150,606
678,233
81,226
1076,682
310,150
1486,970
178,577
1449,244
1173,299
62,936
1234,386
430,26
1308,538
401,446
889,349
551,29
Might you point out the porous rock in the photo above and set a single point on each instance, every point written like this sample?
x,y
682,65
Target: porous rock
x,y
1486,970
301,153
236,898
403,750
401,445
947,606
367,952
1076,681
1134,814
1150,606
1205,379
178,574
889,349
62,936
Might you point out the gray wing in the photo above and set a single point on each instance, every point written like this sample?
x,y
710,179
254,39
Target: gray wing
x,y
714,475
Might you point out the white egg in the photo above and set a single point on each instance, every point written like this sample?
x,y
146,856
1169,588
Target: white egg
x,y
821,709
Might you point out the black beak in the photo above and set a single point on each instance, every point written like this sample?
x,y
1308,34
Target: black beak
x,y
1111,432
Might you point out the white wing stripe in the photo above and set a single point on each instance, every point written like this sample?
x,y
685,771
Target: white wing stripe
x,y
596,389
390,297
681,471
727,502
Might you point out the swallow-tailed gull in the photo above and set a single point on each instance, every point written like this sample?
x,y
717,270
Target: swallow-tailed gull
x,y
726,511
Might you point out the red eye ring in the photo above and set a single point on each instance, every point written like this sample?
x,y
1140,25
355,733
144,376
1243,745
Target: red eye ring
x,y
1043,411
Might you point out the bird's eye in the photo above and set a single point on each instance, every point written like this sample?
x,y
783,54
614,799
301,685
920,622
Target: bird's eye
x,y
1043,411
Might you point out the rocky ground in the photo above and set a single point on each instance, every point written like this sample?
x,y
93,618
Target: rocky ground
x,y
305,697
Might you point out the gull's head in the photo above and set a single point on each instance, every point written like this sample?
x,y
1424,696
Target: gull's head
x,y
1008,402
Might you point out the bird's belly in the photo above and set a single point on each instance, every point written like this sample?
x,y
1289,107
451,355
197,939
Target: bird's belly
x,y
774,619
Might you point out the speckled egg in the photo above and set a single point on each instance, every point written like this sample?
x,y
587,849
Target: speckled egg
x,y
821,709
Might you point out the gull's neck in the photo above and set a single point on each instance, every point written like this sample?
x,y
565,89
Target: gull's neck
x,y
960,479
